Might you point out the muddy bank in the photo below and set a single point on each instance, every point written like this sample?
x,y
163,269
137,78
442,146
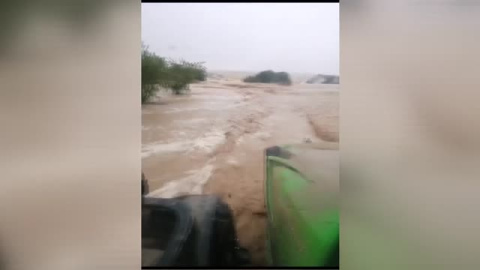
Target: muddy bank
x,y
212,140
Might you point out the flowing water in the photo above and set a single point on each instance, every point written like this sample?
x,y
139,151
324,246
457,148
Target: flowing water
x,y
212,141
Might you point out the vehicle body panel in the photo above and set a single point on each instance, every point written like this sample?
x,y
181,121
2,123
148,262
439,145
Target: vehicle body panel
x,y
302,184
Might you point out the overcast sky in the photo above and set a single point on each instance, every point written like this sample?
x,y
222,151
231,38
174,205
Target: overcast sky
x,y
292,37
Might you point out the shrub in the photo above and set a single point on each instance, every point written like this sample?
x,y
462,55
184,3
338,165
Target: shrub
x,y
158,72
269,76
154,72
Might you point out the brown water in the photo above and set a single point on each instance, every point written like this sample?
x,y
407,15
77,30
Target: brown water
x,y
211,141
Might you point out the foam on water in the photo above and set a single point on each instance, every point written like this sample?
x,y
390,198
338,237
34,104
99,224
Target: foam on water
x,y
192,184
210,106
207,143
157,148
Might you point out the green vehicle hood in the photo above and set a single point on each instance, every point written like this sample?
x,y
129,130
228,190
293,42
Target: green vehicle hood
x,y
302,189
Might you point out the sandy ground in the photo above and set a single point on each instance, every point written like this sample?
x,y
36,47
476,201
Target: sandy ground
x,y
212,140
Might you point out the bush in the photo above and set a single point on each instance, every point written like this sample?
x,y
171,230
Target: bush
x,y
154,72
269,76
158,72
182,73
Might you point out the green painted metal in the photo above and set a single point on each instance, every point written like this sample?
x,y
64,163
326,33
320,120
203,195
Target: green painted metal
x,y
301,200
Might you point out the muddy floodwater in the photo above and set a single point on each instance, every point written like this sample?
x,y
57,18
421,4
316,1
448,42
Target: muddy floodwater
x,y
212,141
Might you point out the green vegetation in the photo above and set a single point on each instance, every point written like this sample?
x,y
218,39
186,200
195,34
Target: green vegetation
x,y
269,76
159,73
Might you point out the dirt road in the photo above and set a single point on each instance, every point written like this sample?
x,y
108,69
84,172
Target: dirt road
x,y
212,141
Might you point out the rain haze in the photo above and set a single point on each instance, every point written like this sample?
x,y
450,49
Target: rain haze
x,y
299,38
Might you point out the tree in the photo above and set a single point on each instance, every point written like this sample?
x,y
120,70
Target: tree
x,y
270,76
169,74
154,73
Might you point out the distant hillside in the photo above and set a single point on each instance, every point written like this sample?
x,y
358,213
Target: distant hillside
x,y
324,79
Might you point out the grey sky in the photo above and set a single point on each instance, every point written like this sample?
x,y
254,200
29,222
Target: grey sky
x,y
292,37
